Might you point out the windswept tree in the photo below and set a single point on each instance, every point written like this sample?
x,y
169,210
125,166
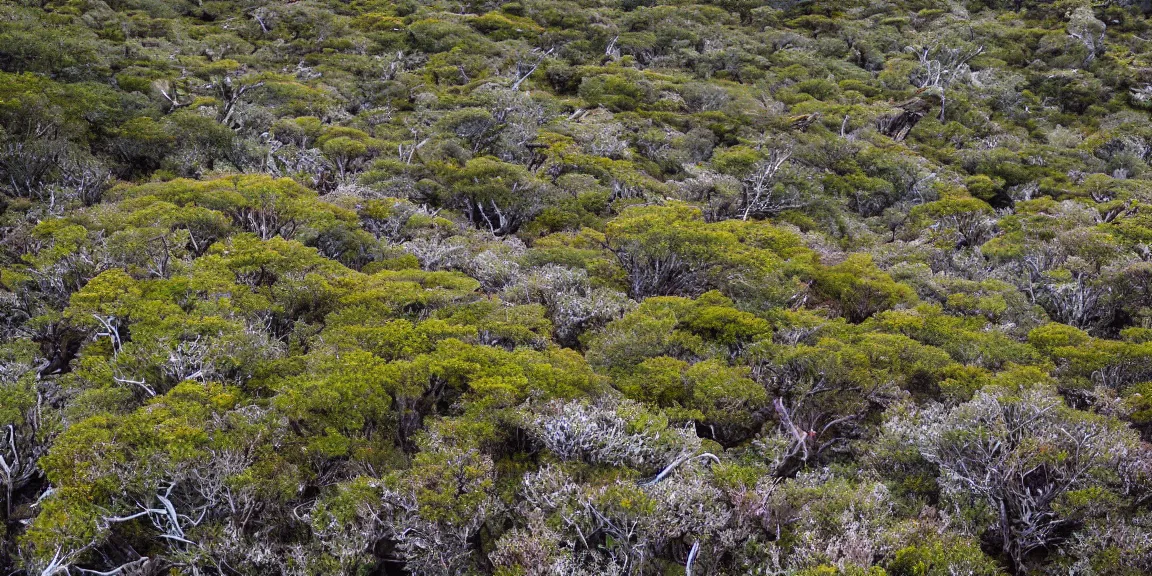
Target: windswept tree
x,y
493,195
1034,468
667,250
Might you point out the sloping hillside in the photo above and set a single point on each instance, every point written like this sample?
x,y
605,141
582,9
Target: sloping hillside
x,y
550,287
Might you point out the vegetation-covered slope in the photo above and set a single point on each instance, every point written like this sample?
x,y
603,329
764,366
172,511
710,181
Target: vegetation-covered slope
x,y
553,287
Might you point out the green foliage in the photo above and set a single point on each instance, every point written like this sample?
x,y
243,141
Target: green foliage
x,y
622,287
939,558
858,289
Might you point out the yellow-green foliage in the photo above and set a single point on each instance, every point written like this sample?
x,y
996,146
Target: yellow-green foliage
x,y
558,287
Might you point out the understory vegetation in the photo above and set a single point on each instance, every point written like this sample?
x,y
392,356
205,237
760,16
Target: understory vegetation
x,y
575,287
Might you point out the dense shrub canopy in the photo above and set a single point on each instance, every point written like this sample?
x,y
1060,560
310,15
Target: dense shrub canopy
x,y
575,287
